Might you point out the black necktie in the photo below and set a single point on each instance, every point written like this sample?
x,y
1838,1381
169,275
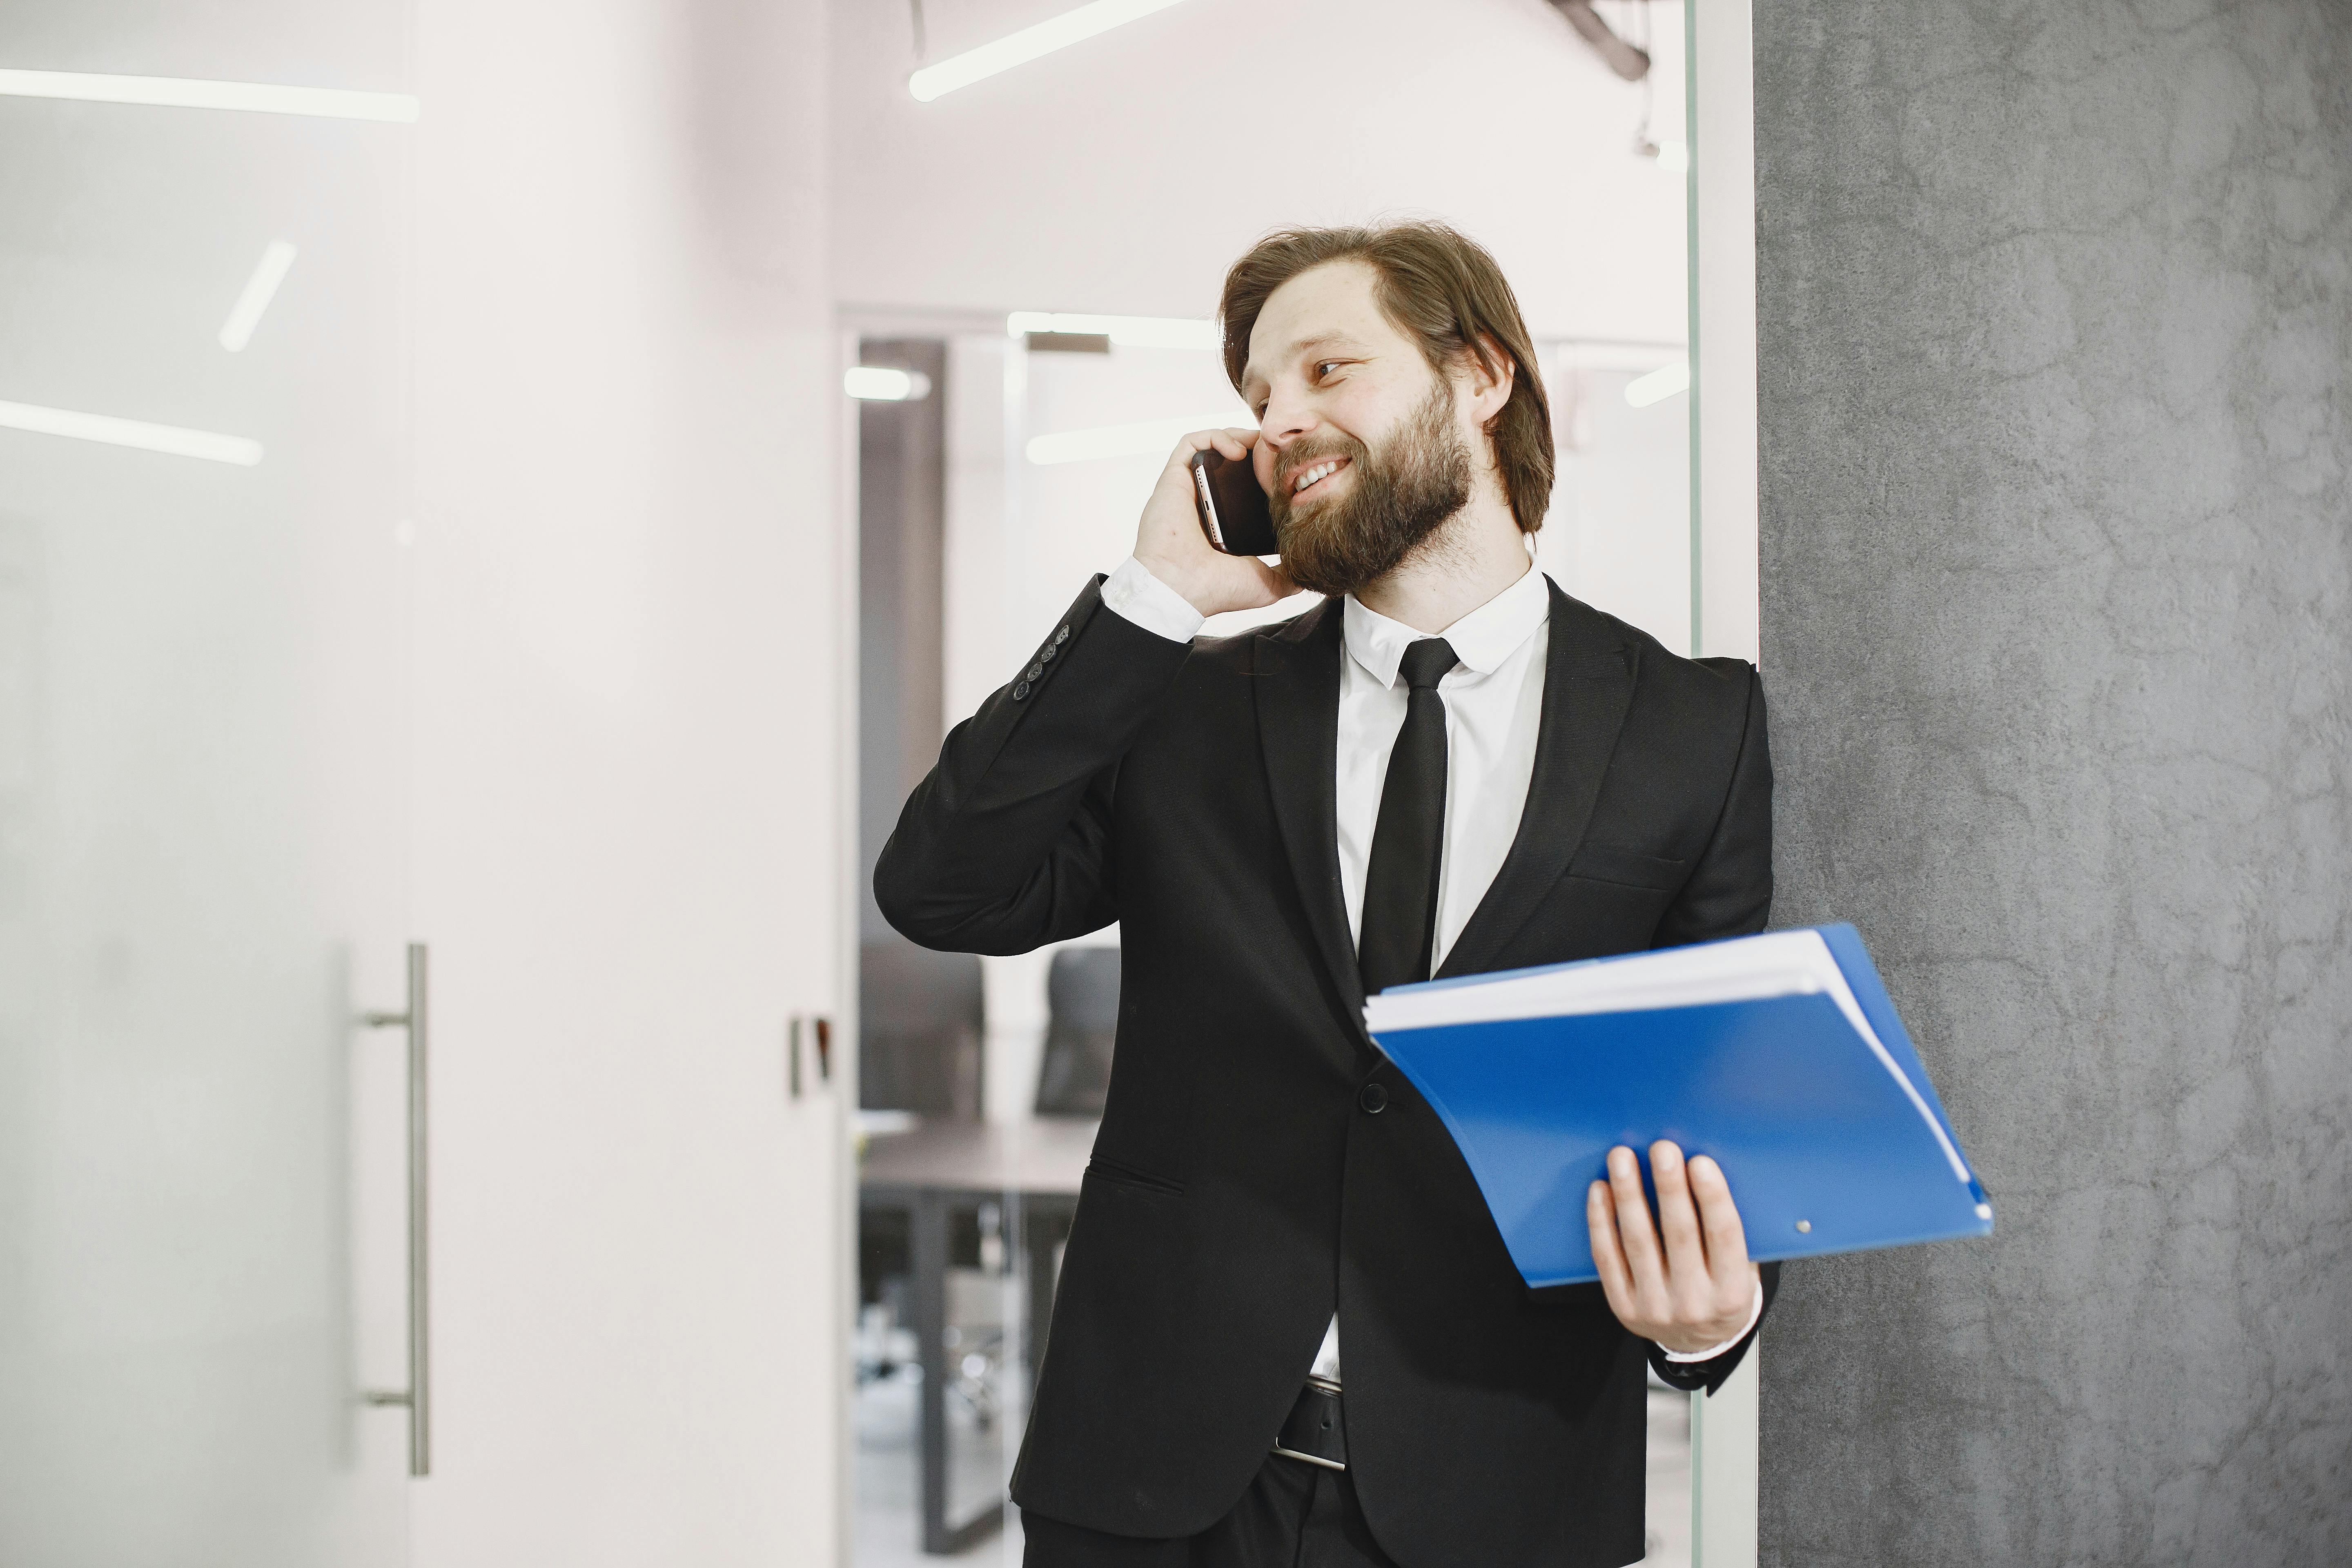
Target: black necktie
x,y
1401,880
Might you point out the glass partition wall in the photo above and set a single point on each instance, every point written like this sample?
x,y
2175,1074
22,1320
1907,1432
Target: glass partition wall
x,y
206,1310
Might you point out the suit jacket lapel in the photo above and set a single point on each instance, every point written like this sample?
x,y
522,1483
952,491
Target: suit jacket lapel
x,y
1588,672
1298,731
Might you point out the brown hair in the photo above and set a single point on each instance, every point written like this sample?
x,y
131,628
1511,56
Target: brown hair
x,y
1440,286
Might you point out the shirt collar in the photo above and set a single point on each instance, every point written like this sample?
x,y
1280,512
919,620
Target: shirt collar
x,y
1481,639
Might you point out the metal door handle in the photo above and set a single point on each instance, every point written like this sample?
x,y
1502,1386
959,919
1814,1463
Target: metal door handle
x,y
417,1396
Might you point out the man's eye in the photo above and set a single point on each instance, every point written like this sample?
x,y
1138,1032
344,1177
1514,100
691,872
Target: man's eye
x,y
1324,367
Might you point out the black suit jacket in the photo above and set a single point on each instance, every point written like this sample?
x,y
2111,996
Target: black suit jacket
x,y
1240,1190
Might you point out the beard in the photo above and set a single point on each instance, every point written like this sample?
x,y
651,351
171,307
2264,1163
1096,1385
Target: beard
x,y
1399,498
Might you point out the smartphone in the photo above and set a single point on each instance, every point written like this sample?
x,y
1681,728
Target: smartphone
x,y
1233,511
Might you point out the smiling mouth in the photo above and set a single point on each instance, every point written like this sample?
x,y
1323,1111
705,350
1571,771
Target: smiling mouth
x,y
1312,476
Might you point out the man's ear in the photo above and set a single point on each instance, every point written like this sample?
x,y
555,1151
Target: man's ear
x,y
1490,381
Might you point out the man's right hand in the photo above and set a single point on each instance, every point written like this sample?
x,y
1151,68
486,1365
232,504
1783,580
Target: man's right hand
x,y
1171,545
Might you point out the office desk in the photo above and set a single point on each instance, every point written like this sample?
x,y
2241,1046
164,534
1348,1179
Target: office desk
x,y
934,1167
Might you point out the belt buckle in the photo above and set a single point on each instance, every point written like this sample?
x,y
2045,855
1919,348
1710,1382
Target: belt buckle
x,y
1315,1432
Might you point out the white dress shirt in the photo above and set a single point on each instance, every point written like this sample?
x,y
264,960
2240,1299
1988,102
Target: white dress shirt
x,y
1494,710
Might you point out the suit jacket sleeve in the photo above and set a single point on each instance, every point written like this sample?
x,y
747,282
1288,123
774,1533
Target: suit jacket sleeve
x,y
1730,894
1007,844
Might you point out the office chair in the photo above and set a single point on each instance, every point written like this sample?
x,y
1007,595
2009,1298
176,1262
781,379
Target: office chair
x,y
1082,990
918,1046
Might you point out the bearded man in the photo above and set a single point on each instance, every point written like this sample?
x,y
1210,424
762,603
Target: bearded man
x,y
1287,1331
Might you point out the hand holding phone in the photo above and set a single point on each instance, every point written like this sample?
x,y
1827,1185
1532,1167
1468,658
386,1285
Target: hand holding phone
x,y
1172,544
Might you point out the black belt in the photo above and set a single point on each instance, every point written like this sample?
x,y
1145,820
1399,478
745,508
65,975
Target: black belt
x,y
1315,1432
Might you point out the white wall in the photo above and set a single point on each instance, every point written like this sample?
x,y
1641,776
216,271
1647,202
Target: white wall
x,y
627,713
1125,174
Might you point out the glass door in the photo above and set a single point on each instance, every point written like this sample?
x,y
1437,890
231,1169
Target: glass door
x,y
203,1159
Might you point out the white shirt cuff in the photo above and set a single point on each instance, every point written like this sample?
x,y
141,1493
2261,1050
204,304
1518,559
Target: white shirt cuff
x,y
1755,1310
1134,594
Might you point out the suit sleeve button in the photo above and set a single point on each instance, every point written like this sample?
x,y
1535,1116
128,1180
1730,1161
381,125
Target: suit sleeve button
x,y
1062,634
1373,1098
1021,691
1037,672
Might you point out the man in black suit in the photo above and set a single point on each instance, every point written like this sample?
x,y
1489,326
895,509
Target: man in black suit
x,y
1447,764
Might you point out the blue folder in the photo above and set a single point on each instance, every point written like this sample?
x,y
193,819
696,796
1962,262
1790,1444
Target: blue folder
x,y
1827,1144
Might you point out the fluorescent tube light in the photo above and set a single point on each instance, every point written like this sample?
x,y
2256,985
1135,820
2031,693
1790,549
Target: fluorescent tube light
x,y
260,289
878,384
1154,436
1021,48
1659,384
183,92
1129,331
137,433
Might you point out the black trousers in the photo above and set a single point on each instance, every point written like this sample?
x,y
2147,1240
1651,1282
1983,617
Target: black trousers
x,y
1295,1515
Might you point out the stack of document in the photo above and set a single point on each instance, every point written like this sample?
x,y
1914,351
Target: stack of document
x,y
1779,1056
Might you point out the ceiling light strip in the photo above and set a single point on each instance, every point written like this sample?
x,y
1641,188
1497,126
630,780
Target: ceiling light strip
x,y
880,383
260,289
137,433
187,92
1659,384
1028,43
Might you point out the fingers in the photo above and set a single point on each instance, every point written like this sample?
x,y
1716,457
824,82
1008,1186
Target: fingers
x,y
1678,1216
1643,1258
1686,1281
1608,1252
1726,1238
1233,443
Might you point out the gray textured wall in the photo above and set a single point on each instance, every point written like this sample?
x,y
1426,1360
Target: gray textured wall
x,y
2057,599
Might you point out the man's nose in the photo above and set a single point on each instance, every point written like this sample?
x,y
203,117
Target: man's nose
x,y
1286,418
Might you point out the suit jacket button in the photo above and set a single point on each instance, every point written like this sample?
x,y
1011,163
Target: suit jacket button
x,y
1062,634
1373,1098
1021,691
1037,672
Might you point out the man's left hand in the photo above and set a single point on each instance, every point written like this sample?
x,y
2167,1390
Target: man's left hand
x,y
1691,1289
